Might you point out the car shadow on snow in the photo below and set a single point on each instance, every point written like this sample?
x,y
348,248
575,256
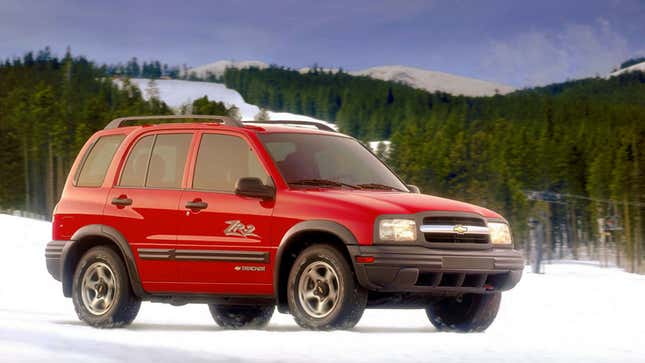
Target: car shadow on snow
x,y
271,328
394,329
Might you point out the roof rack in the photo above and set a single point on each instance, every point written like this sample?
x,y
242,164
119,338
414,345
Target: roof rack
x,y
318,125
116,123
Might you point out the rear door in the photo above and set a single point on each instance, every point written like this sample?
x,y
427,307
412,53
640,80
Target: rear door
x,y
223,245
144,204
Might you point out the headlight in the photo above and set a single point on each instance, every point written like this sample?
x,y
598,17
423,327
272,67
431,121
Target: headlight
x,y
500,234
397,230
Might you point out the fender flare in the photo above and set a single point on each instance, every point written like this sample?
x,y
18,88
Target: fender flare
x,y
335,228
98,230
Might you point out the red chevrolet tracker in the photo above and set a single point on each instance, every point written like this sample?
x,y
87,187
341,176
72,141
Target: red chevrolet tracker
x,y
245,217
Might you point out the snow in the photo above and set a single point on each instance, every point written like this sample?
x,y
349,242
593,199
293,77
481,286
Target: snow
x,y
176,93
433,81
636,67
572,313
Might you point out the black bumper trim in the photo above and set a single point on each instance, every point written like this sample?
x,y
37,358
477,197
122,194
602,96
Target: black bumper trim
x,y
53,254
420,269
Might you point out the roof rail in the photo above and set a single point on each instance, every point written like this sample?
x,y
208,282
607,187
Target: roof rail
x,y
318,125
116,123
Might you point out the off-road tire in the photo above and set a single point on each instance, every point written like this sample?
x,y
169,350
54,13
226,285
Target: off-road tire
x,y
125,304
352,300
241,316
470,313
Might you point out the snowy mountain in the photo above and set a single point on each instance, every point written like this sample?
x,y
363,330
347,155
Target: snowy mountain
x,y
218,68
415,77
176,93
635,67
433,81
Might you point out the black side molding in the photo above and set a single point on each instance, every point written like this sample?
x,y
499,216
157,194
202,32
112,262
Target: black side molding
x,y
203,255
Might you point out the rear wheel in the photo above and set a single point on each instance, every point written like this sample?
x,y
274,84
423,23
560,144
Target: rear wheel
x,y
101,290
323,292
241,316
468,313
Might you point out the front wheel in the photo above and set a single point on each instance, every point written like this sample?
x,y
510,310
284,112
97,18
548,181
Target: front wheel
x,y
242,316
467,313
101,290
323,292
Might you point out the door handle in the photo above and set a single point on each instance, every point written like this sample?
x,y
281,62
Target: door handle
x,y
196,204
122,201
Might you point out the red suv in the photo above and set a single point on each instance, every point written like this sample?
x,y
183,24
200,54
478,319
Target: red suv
x,y
245,217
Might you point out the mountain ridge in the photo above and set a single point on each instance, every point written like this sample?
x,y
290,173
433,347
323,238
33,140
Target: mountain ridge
x,y
431,81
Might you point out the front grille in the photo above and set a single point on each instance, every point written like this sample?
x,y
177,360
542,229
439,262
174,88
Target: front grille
x,y
455,237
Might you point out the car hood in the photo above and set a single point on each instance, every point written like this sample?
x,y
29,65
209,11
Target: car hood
x,y
385,202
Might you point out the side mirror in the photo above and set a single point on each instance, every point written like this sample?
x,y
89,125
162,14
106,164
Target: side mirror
x,y
254,188
414,189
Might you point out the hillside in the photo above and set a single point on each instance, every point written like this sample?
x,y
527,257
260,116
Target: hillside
x,y
176,93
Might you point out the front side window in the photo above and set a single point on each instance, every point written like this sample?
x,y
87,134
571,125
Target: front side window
x,y
157,161
222,160
98,160
325,160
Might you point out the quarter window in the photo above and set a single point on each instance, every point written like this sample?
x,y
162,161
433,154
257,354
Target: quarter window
x,y
222,160
98,161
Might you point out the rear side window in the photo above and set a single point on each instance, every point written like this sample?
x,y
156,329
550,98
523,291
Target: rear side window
x,y
222,160
157,161
98,161
136,167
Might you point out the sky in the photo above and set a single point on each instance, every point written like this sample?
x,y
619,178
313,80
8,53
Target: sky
x,y
516,42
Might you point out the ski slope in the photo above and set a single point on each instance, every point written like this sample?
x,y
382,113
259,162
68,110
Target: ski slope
x,y
176,93
573,313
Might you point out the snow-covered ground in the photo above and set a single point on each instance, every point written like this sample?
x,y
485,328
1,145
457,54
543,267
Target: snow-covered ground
x,y
572,313
176,93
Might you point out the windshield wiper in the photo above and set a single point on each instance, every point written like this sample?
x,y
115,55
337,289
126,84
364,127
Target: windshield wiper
x,y
323,182
378,186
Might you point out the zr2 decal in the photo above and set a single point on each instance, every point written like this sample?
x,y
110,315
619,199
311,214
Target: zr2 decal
x,y
237,228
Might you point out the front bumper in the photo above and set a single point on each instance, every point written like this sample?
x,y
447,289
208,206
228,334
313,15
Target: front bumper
x,y
53,255
428,270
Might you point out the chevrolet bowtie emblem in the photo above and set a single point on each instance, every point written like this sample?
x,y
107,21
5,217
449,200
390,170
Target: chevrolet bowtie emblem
x,y
461,229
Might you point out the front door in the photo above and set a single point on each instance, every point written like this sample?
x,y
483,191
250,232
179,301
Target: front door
x,y
223,245
143,205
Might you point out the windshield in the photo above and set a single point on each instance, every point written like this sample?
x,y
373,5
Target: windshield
x,y
328,161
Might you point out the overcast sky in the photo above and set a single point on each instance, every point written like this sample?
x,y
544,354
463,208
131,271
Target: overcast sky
x,y
516,42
